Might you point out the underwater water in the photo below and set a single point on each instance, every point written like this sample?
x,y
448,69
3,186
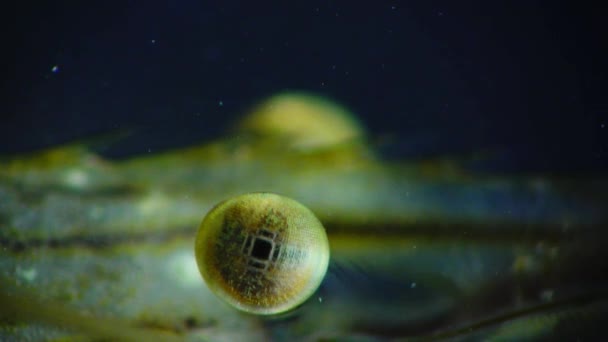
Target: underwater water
x,y
455,155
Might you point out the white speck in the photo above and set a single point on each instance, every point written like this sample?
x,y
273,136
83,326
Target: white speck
x,y
149,150
153,41
320,299
439,14
76,178
182,266
393,7
27,274
55,68
546,295
413,285
220,103
603,125
152,203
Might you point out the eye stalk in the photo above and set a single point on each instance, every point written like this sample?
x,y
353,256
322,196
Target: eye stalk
x,y
262,253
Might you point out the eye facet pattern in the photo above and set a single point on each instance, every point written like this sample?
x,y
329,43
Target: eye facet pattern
x,y
262,253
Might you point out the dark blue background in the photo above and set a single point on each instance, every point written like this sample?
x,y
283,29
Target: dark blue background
x,y
524,80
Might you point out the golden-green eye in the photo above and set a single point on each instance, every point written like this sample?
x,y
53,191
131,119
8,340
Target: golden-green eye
x,y
302,121
262,253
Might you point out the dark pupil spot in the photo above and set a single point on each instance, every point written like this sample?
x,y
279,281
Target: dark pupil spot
x,y
261,249
190,322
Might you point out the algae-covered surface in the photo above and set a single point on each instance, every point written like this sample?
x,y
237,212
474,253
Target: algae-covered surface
x,y
100,249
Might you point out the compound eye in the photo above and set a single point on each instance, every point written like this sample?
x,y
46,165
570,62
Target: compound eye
x,y
262,253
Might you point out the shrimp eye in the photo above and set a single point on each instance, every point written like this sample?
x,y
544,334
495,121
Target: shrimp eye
x,y
262,253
